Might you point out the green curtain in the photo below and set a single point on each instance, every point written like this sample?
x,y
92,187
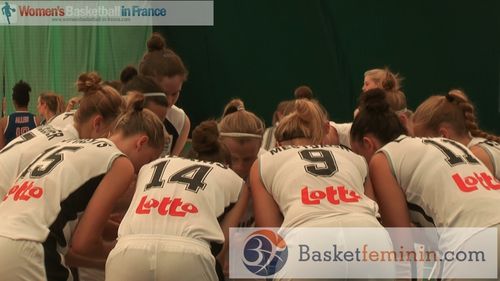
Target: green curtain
x,y
51,58
261,50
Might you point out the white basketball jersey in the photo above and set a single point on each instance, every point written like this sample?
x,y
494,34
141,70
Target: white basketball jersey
x,y
492,148
177,117
444,183
21,151
181,197
344,132
316,182
64,119
51,193
54,188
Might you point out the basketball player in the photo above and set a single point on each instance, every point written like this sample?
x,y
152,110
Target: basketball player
x,y
438,180
171,230
20,121
283,179
453,116
49,106
67,179
303,183
168,70
99,108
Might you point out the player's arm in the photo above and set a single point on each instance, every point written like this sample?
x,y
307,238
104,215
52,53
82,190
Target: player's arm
x,y
369,189
267,212
87,239
391,199
480,153
124,201
183,136
72,103
231,219
3,124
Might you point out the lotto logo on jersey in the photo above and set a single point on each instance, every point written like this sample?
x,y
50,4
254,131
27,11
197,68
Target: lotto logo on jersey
x,y
24,192
334,195
167,206
471,183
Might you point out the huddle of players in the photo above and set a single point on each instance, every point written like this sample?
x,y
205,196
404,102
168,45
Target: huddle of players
x,y
179,210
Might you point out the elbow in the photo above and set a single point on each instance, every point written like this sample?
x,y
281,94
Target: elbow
x,y
83,247
79,248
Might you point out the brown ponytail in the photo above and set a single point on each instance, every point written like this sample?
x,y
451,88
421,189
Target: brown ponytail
x,y
137,120
453,108
97,99
54,102
469,113
306,121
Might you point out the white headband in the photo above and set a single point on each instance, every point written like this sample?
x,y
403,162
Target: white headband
x,y
154,95
240,135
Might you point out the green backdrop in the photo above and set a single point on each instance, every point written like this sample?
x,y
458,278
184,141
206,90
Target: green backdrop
x,y
51,58
261,50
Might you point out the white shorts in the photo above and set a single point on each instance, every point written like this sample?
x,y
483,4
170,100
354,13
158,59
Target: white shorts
x,y
90,274
457,269
160,257
21,260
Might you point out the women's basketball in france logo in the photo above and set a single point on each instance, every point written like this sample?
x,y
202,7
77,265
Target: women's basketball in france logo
x,y
265,252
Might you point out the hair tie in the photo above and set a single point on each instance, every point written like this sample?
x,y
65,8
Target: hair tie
x,y
154,95
240,135
449,97
240,107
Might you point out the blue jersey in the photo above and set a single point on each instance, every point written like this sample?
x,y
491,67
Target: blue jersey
x,y
18,123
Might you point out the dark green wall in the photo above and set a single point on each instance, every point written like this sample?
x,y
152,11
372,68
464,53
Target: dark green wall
x,y
261,50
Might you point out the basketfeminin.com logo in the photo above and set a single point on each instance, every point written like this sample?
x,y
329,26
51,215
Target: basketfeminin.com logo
x,y
265,252
8,13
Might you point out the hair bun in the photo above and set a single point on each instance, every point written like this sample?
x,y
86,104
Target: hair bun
x,y
374,100
88,82
138,105
233,106
128,73
389,85
135,101
303,92
156,42
206,137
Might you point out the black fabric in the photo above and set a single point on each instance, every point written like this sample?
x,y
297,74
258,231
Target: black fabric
x,y
219,270
171,131
74,204
420,210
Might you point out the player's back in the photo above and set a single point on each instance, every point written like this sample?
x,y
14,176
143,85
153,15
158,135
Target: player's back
x,y
64,119
22,150
444,183
18,123
316,182
181,197
54,188
492,148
